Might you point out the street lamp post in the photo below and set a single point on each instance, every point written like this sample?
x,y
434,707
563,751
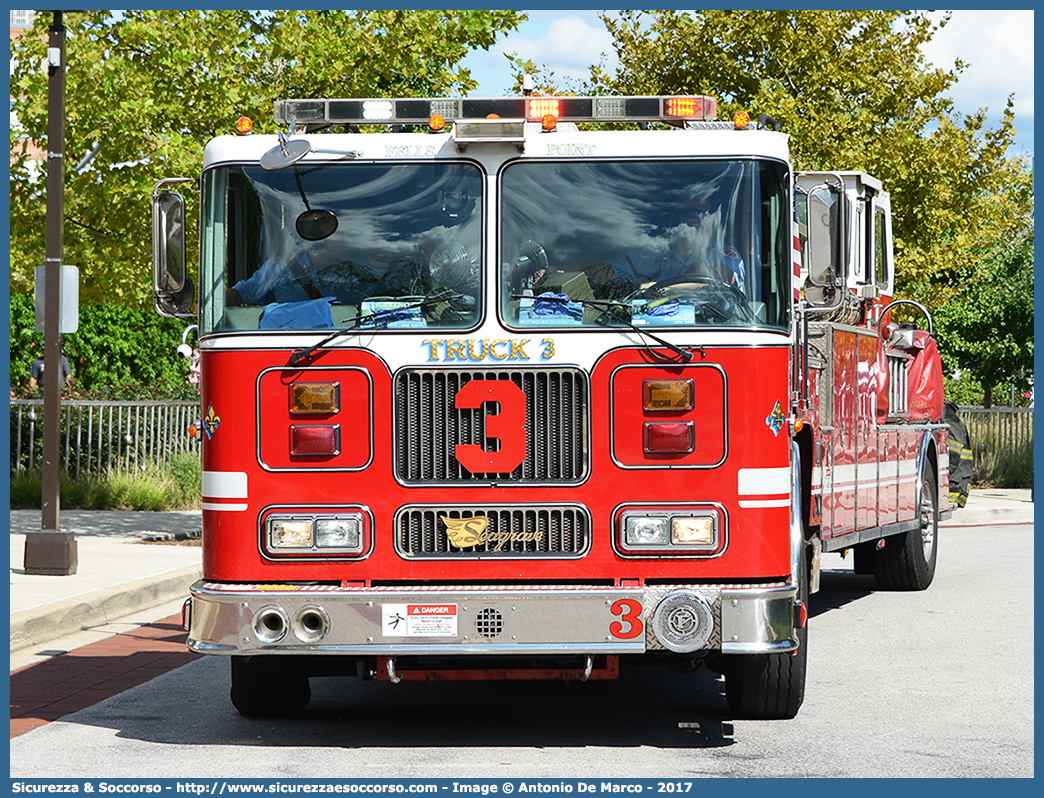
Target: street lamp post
x,y
52,551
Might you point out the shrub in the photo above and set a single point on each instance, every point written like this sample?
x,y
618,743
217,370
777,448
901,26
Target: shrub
x,y
175,486
118,352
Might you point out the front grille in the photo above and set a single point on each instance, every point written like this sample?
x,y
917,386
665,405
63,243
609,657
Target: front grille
x,y
515,531
428,426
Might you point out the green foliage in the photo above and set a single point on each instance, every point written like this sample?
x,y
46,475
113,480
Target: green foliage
x,y
963,389
985,326
152,87
118,352
852,89
184,474
175,486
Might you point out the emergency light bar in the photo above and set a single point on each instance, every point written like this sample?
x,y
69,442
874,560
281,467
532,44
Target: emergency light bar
x,y
417,111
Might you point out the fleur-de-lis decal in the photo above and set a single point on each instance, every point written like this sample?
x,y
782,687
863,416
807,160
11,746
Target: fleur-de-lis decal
x,y
210,422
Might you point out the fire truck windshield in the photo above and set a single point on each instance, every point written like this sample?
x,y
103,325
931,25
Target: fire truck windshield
x,y
656,243
341,245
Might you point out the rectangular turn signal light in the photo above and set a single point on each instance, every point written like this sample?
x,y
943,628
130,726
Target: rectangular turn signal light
x,y
668,395
312,398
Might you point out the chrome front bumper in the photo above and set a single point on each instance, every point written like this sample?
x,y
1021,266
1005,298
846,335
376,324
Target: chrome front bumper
x,y
470,620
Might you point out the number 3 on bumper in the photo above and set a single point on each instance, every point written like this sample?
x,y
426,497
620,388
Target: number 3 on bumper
x,y
630,624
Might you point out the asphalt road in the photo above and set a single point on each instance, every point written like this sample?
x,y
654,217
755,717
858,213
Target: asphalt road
x,y
932,684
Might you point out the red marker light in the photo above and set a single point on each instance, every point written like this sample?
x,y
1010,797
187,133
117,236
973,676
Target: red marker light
x,y
549,122
669,437
684,106
311,440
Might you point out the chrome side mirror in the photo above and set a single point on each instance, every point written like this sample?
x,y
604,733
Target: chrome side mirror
x,y
171,286
825,249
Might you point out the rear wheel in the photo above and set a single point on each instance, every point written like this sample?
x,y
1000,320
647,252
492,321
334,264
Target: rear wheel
x,y
769,686
907,561
269,686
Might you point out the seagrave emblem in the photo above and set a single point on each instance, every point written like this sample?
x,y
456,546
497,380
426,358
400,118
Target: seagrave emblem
x,y
464,533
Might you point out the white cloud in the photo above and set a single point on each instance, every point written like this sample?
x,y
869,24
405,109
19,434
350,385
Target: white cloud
x,y
997,47
570,46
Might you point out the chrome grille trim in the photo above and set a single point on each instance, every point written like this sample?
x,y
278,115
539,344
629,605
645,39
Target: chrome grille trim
x,y
428,426
565,528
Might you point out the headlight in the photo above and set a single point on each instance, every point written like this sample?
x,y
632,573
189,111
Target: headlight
x,y
647,531
317,535
290,533
694,530
669,531
338,533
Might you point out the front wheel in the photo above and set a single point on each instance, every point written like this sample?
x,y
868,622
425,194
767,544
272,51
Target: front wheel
x,y
269,686
907,561
769,686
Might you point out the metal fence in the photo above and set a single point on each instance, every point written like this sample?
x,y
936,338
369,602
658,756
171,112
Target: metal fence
x,y
997,432
97,437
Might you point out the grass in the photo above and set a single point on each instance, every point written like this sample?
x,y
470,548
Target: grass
x,y
1006,469
175,486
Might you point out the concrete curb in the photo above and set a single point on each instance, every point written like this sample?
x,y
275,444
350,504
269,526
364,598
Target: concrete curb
x,y
985,516
40,625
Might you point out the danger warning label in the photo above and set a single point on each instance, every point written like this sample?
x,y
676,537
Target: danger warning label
x,y
419,620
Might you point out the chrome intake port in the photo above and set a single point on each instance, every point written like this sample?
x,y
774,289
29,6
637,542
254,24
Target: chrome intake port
x,y
683,621
311,624
270,624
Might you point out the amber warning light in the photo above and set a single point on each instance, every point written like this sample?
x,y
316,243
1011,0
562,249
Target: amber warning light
x,y
539,107
315,397
668,395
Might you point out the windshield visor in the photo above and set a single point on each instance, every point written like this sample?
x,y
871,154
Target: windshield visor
x,y
375,246
654,243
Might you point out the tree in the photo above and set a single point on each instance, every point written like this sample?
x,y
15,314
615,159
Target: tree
x,y
151,87
854,92
986,328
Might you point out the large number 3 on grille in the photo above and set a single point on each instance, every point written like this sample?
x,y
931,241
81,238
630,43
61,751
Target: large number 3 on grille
x,y
508,426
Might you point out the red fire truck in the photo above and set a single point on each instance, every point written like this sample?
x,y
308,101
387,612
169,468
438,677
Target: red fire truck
x,y
541,388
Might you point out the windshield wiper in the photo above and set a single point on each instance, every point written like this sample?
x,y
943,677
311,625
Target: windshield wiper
x,y
376,317
610,305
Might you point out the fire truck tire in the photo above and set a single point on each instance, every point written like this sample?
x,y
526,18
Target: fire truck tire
x,y
269,686
769,686
907,561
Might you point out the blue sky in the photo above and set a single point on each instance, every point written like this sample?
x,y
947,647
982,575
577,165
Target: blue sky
x,y
997,47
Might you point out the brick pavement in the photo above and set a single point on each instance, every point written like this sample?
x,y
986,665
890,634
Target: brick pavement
x,y
49,690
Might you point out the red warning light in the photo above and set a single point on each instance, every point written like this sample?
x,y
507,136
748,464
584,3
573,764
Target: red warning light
x,y
684,106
